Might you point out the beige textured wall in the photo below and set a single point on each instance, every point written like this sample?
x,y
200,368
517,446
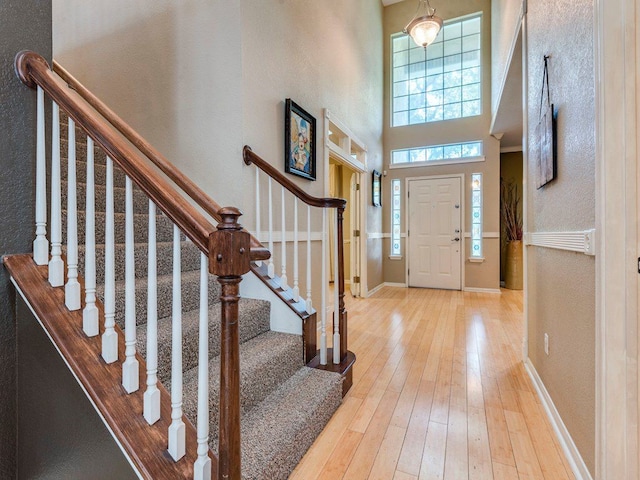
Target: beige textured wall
x,y
478,275
505,16
562,284
200,79
317,54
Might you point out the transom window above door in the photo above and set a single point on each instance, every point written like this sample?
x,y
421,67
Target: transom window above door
x,y
441,82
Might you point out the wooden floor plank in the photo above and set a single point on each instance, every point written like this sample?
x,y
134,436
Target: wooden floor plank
x,y
440,392
432,466
384,466
364,457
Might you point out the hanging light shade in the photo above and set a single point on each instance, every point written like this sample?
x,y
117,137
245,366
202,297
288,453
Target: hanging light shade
x,y
424,28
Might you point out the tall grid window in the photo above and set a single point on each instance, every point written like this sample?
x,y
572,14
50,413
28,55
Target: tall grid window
x,y
441,82
476,215
396,202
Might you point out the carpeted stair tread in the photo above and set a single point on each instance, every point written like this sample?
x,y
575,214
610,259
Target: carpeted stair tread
x,y
253,320
190,295
164,227
277,433
190,259
265,362
140,199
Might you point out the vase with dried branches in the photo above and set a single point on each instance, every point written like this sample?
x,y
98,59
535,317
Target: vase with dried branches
x,y
511,215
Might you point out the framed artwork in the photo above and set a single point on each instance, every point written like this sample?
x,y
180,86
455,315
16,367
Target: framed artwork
x,y
299,141
376,189
545,132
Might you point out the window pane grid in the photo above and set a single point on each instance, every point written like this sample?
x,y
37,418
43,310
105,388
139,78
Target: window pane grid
x,y
452,151
452,61
476,215
396,203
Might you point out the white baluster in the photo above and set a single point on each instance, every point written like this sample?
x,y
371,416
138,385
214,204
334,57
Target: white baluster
x,y
336,297
202,466
296,286
152,394
309,302
41,244
258,233
56,265
271,269
72,288
176,429
130,367
283,277
90,312
323,307
109,337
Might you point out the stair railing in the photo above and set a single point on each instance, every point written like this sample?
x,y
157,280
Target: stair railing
x,y
226,251
303,307
337,358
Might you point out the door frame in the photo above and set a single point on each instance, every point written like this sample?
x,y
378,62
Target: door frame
x,y
617,101
340,154
355,222
463,220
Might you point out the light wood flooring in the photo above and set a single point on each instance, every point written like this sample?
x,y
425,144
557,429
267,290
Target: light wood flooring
x,y
439,392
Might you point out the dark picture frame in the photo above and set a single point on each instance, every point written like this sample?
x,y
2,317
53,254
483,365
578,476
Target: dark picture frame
x,y
376,189
299,141
545,148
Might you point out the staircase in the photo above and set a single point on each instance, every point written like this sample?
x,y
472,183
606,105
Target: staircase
x,y
159,310
284,404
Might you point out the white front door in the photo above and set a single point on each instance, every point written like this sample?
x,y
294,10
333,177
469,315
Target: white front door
x,y
435,237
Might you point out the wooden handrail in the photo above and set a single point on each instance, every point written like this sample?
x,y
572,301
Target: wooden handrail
x,y
339,204
250,157
258,252
34,71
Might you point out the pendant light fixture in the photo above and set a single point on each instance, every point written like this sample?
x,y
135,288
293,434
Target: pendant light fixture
x,y
425,25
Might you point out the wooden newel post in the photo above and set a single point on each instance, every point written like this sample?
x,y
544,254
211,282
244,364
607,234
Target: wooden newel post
x,y
229,259
342,311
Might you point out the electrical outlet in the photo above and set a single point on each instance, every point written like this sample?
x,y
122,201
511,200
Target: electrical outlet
x,y
546,343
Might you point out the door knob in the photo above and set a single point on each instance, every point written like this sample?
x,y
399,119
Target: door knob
x,y
457,230
457,239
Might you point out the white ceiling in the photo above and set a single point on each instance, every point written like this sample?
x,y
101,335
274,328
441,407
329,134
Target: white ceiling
x,y
386,3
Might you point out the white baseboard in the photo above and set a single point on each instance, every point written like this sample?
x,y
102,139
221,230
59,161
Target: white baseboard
x,y
569,448
482,290
386,284
374,290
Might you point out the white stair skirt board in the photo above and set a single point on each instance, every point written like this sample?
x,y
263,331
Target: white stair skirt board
x,y
569,448
55,345
282,318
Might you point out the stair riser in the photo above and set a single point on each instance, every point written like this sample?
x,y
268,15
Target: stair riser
x,y
190,297
164,228
100,174
190,259
253,321
99,156
257,381
140,200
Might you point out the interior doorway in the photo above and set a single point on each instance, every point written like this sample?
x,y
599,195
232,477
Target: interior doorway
x,y
344,182
345,177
